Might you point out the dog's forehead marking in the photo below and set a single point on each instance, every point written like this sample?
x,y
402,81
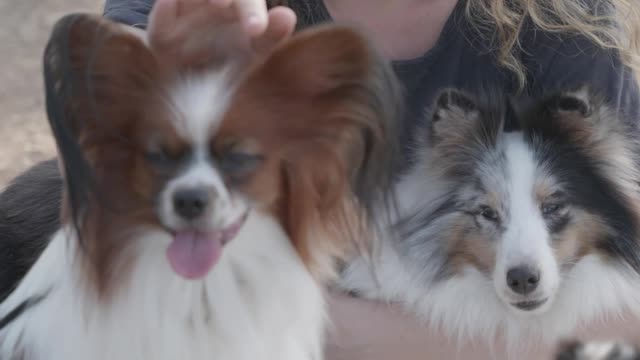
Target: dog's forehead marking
x,y
492,173
520,171
523,221
200,102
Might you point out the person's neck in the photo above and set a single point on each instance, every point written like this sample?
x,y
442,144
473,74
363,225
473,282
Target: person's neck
x,y
401,29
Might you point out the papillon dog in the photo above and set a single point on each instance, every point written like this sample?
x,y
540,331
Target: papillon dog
x,y
519,222
204,207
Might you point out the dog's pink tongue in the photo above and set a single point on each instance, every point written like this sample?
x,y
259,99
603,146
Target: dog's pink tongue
x,y
192,254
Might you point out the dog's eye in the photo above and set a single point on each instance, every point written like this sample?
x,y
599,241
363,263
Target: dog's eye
x,y
162,155
552,208
237,158
238,164
554,204
489,213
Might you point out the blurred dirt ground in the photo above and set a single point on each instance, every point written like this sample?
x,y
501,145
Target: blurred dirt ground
x,y
24,29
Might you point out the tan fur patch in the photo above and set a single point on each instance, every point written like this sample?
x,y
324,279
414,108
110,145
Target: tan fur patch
x,y
544,188
578,239
468,247
310,127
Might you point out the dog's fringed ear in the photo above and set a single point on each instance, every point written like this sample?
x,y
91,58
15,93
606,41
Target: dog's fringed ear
x,y
571,104
339,65
336,72
95,73
454,112
584,115
321,61
340,107
451,102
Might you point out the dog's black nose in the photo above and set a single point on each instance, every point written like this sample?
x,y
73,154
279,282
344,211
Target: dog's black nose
x,y
523,280
191,203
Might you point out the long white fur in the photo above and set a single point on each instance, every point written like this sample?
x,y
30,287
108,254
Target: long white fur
x,y
466,307
527,241
258,302
200,101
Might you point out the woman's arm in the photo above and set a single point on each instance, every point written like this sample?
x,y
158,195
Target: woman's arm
x,y
365,330
129,12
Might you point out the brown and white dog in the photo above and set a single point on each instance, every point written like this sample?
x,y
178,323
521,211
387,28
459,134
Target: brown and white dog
x,y
204,206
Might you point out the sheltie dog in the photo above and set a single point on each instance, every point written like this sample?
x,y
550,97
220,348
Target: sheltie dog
x,y
520,220
203,207
597,350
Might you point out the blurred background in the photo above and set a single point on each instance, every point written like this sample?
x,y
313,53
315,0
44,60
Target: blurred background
x,y
24,29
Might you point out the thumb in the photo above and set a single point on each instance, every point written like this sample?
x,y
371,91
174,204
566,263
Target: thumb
x,y
281,24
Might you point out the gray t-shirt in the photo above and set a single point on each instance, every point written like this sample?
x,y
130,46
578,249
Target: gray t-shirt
x,y
464,60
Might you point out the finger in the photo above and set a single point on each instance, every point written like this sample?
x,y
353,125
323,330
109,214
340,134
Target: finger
x,y
220,3
190,28
187,7
281,24
187,19
162,20
252,15
196,40
170,42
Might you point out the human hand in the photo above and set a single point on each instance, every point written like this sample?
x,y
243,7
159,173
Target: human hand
x,y
367,330
195,31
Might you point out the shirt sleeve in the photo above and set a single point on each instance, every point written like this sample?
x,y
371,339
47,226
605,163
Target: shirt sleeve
x,y
129,12
562,62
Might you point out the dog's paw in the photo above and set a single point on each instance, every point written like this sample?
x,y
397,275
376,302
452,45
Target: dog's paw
x,y
597,350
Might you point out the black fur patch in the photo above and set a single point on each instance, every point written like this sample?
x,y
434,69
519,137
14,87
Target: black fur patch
x,y
408,230
29,215
410,225
576,350
587,187
20,309
62,84
373,183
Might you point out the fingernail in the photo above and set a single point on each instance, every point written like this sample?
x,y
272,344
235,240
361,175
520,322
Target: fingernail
x,y
254,25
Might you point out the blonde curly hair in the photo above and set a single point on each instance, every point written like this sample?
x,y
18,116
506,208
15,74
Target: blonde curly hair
x,y
610,24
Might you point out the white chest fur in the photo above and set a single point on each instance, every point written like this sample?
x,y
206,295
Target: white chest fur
x,y
258,302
